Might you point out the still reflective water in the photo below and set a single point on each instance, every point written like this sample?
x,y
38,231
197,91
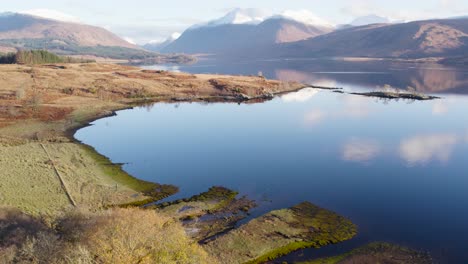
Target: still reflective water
x,y
399,170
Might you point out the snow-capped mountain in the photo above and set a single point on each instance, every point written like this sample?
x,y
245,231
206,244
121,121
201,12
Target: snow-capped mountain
x,y
254,16
238,16
244,31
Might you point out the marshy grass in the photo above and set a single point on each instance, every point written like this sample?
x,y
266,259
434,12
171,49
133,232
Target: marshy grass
x,y
280,232
377,252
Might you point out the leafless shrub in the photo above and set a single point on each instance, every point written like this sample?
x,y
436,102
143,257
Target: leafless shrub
x,y
68,90
16,226
35,101
112,236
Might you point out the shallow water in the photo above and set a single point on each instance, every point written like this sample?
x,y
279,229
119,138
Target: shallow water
x,y
397,169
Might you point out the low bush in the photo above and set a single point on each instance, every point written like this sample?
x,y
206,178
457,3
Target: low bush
x,y
114,236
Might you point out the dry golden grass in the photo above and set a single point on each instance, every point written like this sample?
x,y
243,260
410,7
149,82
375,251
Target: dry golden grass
x,y
138,236
30,183
117,236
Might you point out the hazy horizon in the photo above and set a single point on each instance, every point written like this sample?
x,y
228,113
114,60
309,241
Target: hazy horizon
x,y
144,20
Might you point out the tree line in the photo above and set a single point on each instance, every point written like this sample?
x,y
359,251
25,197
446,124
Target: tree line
x,y
37,57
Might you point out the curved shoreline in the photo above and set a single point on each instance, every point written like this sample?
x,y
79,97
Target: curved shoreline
x,y
230,91
55,102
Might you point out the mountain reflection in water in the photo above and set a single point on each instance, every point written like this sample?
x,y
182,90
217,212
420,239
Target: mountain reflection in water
x,y
424,77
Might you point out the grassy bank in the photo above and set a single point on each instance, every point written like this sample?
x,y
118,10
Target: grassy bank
x,y
30,183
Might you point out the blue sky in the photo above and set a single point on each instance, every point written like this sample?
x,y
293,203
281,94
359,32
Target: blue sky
x,y
143,20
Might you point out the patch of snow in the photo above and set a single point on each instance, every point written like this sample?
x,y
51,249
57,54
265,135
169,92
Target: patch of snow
x,y
256,16
306,17
129,40
238,16
175,35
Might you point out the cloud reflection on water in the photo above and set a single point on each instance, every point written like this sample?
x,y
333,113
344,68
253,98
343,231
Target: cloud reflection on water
x,y
360,150
301,96
439,108
314,117
424,148
356,106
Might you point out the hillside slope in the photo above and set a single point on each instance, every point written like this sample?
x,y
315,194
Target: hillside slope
x,y
243,39
431,38
21,31
20,26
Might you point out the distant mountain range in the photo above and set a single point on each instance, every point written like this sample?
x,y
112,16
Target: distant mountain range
x,y
238,33
20,26
23,31
249,34
158,46
420,39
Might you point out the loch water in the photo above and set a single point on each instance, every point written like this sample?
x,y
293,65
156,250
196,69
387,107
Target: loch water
x,y
397,169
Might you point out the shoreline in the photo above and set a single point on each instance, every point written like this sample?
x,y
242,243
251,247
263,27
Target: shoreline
x,y
108,185
70,134
135,87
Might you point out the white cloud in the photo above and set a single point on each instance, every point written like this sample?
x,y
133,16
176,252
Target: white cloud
x,y
441,9
424,148
51,14
360,150
314,117
301,96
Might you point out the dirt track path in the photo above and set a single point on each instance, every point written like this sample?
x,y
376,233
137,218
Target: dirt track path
x,y
62,182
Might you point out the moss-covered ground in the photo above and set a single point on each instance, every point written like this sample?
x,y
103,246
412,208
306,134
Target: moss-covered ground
x,y
280,232
209,213
377,252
